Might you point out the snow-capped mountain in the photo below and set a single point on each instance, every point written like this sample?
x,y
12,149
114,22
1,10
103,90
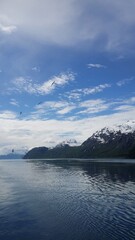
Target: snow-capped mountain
x,y
107,133
117,140
110,142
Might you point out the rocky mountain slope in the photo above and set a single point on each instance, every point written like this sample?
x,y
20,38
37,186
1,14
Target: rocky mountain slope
x,y
116,141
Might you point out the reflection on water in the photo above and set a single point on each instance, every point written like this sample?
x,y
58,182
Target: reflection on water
x,y
67,199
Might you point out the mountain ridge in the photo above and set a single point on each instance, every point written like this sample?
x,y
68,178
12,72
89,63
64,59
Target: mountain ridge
x,y
117,141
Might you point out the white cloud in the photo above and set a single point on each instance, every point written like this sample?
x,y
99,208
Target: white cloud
x,y
14,102
51,105
125,105
130,101
93,106
26,84
56,81
99,88
78,108
78,93
5,26
73,95
124,81
66,110
16,133
35,69
57,107
124,108
7,29
95,65
106,25
7,115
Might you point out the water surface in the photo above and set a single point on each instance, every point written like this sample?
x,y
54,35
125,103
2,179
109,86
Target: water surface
x,y
67,200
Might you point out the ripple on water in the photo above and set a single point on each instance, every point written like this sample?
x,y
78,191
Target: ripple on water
x,y
48,201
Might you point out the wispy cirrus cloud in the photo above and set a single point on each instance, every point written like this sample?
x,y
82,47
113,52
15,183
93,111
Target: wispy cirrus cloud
x,y
66,110
22,84
125,81
78,93
62,108
57,107
93,106
14,102
77,109
124,105
56,81
96,89
125,108
95,65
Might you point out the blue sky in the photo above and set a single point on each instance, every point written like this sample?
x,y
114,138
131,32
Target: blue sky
x,y
66,69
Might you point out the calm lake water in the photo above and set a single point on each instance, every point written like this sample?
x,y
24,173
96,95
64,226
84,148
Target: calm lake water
x,y
67,200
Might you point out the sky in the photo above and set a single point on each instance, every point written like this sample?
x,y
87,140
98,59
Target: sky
x,y
66,70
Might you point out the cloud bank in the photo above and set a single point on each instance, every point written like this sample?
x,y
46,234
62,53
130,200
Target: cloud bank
x,y
109,25
48,132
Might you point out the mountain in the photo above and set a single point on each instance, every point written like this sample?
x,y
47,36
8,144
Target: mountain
x,y
110,142
37,152
116,141
60,151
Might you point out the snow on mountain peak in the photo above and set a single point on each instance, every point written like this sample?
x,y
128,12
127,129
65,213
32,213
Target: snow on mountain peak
x,y
127,127
70,142
101,136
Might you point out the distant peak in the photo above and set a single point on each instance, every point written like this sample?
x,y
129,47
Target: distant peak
x,y
68,142
61,145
